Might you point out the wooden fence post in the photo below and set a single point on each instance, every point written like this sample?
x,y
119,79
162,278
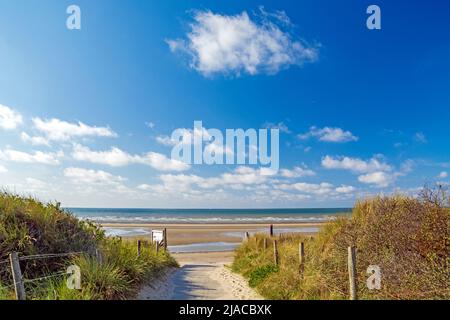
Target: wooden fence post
x,y
265,244
275,252
17,276
271,230
352,273
139,245
165,238
301,254
156,246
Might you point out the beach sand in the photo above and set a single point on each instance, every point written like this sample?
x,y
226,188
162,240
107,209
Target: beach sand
x,y
185,234
201,276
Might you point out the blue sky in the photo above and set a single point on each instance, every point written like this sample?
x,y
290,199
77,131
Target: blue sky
x,y
361,111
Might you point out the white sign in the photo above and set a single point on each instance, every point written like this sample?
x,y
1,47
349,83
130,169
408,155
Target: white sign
x,y
157,235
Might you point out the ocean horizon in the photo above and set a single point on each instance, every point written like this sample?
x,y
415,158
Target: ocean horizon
x,y
205,216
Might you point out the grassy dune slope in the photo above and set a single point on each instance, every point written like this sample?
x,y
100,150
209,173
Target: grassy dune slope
x,y
30,227
409,238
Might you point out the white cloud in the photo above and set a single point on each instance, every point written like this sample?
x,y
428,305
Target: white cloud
x,y
218,149
240,179
58,130
379,179
280,126
35,184
372,171
161,163
9,118
187,136
420,137
329,134
35,141
297,172
47,158
118,158
92,177
345,189
311,188
114,157
443,175
3,169
237,44
150,125
355,164
245,176
166,141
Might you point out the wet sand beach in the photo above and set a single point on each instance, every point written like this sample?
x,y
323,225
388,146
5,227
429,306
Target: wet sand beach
x,y
188,234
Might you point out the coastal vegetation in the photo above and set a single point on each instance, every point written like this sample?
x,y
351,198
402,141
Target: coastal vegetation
x,y
110,268
408,238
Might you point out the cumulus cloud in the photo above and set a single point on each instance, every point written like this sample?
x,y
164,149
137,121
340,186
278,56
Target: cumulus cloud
x,y
9,118
329,134
297,172
236,44
260,183
115,157
92,177
58,130
313,188
379,178
345,189
355,164
443,175
161,163
39,157
35,141
241,178
373,171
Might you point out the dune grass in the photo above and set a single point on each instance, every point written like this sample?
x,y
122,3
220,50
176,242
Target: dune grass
x,y
407,237
30,227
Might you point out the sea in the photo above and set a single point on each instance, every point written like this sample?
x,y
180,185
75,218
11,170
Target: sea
x,y
208,216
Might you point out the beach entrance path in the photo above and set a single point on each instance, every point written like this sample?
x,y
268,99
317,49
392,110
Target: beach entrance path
x,y
201,276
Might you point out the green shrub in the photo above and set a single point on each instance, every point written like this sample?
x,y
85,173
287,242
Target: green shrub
x,y
258,275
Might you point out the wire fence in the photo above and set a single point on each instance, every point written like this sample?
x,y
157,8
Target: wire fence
x,y
12,267
49,256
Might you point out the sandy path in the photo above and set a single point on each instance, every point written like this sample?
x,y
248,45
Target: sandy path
x,y
201,276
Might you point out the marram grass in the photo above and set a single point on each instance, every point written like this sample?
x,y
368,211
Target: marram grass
x,y
31,227
408,238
